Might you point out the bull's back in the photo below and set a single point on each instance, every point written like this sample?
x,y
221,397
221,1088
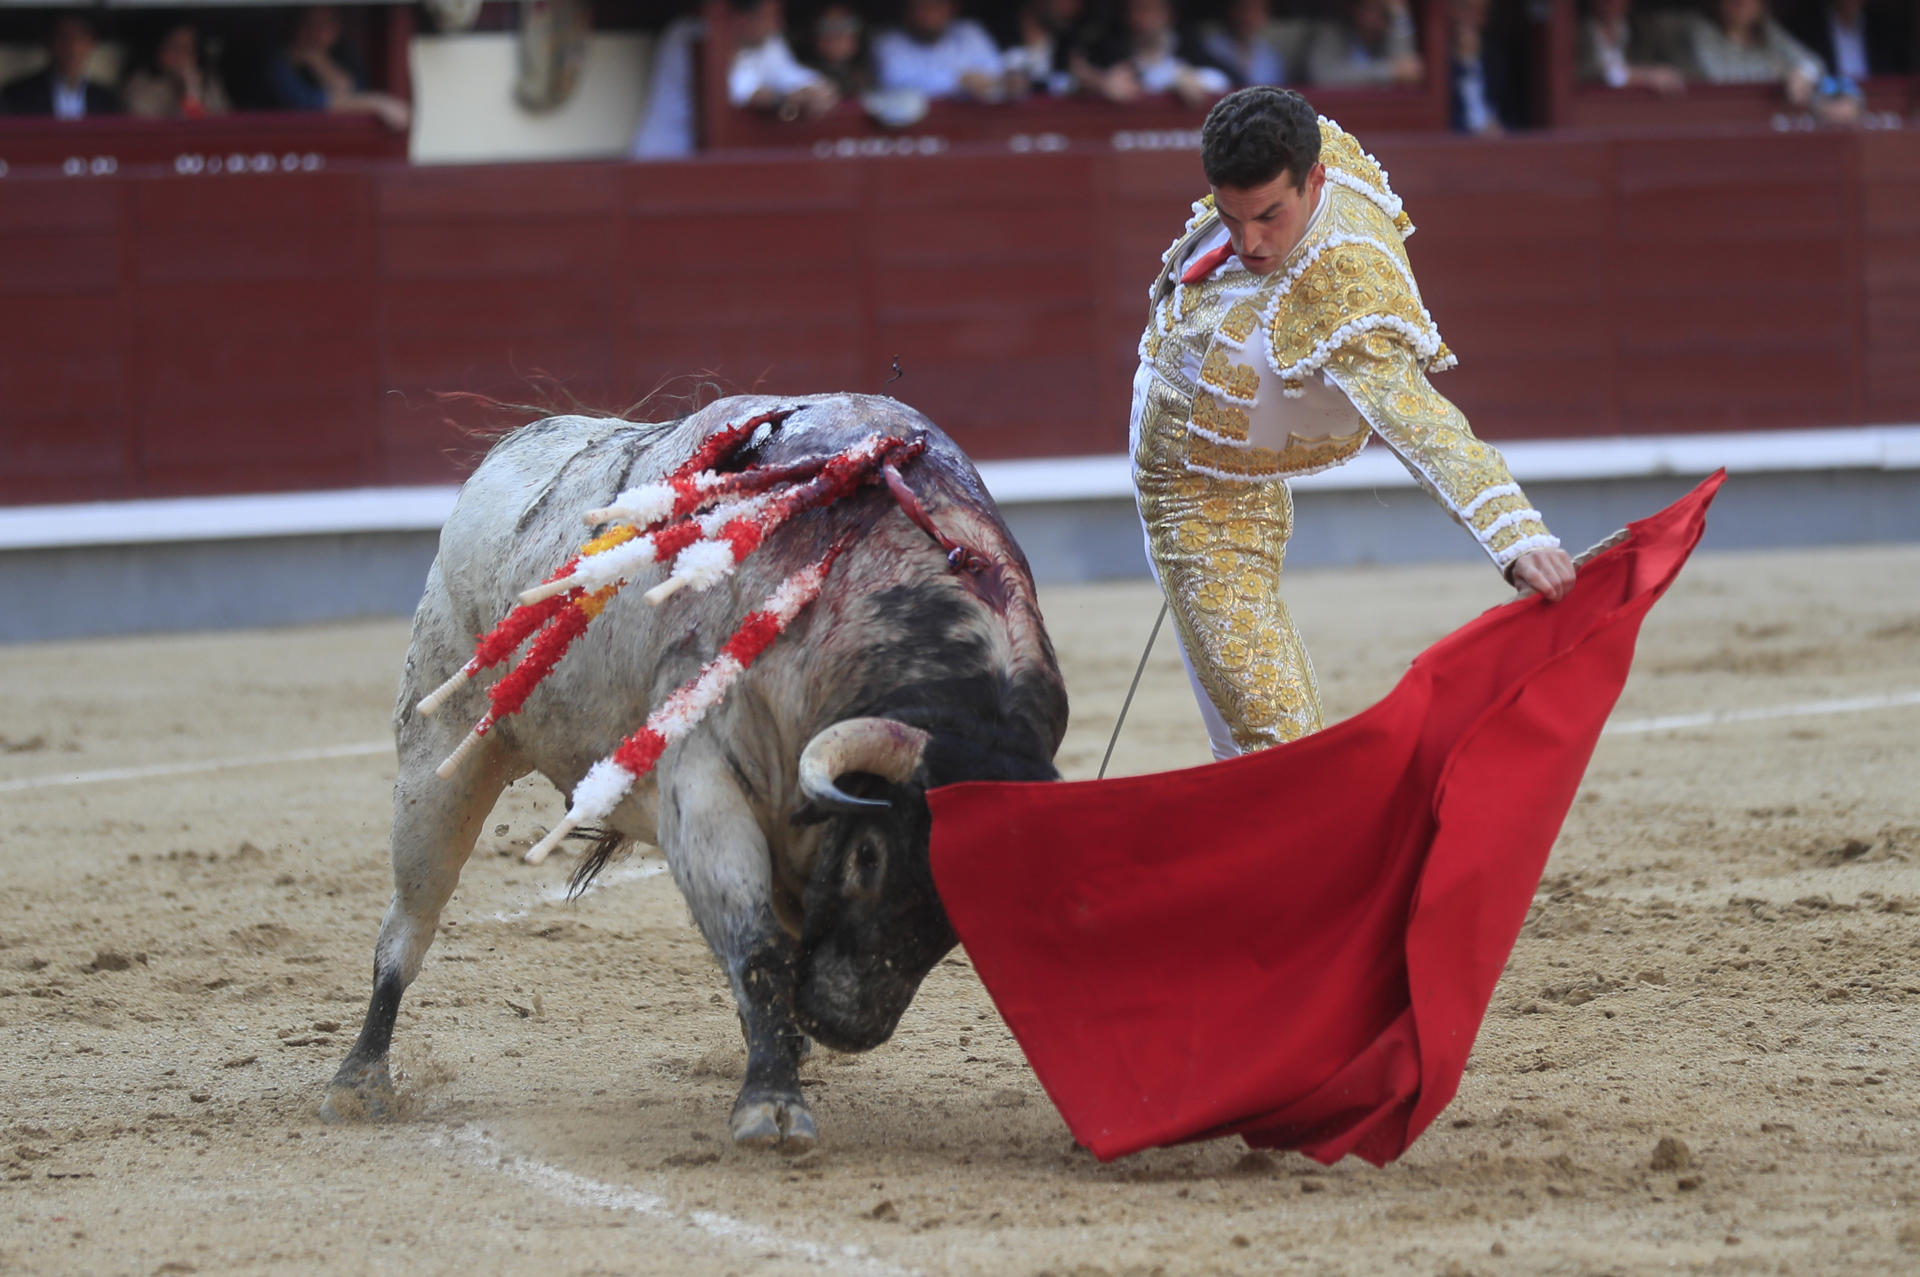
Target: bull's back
x,y
518,515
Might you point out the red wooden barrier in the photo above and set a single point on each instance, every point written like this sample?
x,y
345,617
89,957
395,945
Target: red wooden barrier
x,y
166,333
247,142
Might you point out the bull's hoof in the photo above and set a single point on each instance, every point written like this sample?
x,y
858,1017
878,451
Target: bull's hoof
x,y
359,1093
774,1123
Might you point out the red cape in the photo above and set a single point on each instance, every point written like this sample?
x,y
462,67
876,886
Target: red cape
x,y
1298,946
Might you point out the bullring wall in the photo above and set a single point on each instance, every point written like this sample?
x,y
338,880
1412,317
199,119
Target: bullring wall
x,y
172,332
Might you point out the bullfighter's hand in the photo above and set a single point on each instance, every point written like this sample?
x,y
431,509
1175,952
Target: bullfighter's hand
x,y
1544,572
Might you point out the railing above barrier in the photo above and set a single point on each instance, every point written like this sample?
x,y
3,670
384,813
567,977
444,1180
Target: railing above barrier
x,y
244,142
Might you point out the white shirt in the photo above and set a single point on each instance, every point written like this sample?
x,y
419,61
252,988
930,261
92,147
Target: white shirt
x,y
1610,53
69,100
1470,82
1849,48
767,65
935,69
666,131
1256,62
1159,71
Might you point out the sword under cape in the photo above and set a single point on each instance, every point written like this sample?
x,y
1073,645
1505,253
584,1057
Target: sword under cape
x,y
1127,704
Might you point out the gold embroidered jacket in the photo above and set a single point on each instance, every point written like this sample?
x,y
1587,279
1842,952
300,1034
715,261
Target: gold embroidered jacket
x,y
1290,373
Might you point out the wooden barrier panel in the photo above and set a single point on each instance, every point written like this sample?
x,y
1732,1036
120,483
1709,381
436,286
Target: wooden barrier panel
x,y
1888,202
170,333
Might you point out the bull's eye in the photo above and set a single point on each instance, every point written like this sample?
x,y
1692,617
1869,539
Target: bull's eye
x,y
863,867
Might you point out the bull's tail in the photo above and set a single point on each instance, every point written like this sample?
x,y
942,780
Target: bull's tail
x,y
608,846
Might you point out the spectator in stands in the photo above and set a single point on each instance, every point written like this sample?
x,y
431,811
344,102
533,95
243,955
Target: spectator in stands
x,y
1249,45
173,80
939,54
1859,38
63,89
765,76
1476,69
667,128
838,48
1151,55
1613,52
1048,35
316,71
1374,46
1746,46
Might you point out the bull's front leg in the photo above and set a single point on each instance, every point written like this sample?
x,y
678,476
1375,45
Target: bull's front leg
x,y
721,863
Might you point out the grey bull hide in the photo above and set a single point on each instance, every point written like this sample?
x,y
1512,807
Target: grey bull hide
x,y
793,817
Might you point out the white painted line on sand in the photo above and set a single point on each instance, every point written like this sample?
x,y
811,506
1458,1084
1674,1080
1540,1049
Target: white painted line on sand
x,y
319,754
1805,709
366,749
558,894
484,1150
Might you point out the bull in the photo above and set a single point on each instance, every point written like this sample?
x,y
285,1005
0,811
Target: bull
x,y
794,819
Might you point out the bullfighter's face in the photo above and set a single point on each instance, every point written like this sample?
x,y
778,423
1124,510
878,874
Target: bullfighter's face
x,y
1265,222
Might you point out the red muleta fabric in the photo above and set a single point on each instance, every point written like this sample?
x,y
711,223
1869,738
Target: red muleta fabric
x,y
1298,946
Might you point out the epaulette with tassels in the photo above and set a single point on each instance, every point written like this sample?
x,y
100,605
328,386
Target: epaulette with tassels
x,y
705,521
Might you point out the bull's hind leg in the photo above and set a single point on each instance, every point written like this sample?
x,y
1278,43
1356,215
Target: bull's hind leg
x,y
435,823
720,862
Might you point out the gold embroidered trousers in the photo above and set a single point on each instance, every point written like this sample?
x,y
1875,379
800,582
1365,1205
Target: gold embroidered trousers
x,y
1217,547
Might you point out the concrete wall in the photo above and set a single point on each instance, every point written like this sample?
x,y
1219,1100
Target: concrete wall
x,y
464,111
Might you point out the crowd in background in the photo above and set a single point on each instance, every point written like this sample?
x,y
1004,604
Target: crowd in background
x,y
1123,50
807,62
294,59
1819,55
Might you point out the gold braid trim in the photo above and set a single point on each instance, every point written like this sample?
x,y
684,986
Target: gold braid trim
x,y
1467,476
1341,150
1218,548
1348,288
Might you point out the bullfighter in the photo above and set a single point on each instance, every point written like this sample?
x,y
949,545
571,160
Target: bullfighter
x,y
1286,328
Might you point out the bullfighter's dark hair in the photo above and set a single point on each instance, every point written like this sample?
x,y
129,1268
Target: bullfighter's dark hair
x,y
1253,135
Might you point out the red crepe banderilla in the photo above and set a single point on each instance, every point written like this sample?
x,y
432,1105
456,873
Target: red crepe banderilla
x,y
704,521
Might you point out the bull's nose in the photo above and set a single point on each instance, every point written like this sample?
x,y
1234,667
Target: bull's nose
x,y
835,1039
841,1032
846,1015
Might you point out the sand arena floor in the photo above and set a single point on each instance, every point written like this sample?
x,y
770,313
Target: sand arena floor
x,y
1725,952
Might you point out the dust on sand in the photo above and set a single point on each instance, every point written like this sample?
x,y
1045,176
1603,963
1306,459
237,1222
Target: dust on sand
x,y
1702,1056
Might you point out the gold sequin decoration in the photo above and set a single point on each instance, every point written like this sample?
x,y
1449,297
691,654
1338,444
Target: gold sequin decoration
x,y
1347,282
1266,463
1218,460
1340,149
1224,375
1384,378
1218,547
1240,322
1221,419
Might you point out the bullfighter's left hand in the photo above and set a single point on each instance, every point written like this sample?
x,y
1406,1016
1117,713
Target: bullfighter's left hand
x,y
1545,572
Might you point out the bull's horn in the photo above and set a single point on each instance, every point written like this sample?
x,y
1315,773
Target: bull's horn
x,y
882,747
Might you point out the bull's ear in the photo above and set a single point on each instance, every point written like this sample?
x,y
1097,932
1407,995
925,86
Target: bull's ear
x,y
809,813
